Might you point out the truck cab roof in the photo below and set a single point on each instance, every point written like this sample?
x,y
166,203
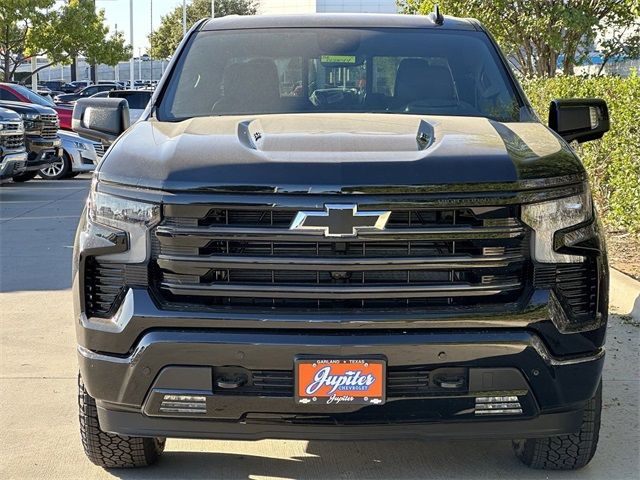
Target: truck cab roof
x,y
338,20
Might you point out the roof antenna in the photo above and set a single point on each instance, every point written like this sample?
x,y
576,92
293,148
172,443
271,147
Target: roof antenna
x,y
436,16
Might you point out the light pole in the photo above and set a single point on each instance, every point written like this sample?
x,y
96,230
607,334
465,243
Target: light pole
x,y
150,33
213,8
131,61
116,69
184,17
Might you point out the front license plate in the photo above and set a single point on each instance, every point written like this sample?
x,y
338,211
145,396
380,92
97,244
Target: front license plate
x,y
334,381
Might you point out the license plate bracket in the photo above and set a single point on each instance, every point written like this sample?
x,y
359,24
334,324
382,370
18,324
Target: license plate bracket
x,y
340,380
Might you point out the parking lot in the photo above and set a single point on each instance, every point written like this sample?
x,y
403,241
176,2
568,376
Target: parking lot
x,y
39,434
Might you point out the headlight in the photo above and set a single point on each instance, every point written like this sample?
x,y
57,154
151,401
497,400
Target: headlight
x,y
547,218
130,216
30,116
80,145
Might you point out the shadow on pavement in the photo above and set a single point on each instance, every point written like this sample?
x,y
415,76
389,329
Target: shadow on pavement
x,y
331,460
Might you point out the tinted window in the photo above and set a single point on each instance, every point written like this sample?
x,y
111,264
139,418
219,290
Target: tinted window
x,y
31,97
438,72
7,95
136,100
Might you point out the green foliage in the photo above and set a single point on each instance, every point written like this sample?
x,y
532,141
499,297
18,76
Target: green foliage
x,y
166,38
613,162
535,33
16,17
36,27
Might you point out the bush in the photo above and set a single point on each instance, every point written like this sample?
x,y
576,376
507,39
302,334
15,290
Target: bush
x,y
613,162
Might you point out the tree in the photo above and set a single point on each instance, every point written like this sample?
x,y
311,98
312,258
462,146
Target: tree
x,y
536,33
16,17
33,28
165,39
620,41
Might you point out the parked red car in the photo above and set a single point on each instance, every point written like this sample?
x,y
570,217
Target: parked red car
x,y
20,93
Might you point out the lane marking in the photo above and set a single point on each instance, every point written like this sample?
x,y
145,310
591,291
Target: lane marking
x,y
41,218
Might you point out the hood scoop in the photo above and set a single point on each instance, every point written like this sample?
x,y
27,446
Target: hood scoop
x,y
322,136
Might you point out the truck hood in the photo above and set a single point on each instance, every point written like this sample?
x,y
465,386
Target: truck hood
x,y
7,115
23,107
338,153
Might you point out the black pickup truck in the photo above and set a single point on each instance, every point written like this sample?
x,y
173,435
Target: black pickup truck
x,y
13,156
41,129
340,227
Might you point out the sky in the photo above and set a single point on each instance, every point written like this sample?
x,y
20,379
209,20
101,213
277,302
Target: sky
x,y
117,12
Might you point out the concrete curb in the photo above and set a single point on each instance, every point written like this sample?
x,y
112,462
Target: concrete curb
x,y
624,294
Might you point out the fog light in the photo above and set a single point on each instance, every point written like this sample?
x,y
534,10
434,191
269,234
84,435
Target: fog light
x,y
499,405
184,404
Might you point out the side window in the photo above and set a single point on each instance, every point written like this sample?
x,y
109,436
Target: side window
x,y
7,95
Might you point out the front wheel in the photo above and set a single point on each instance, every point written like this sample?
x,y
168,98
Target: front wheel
x,y
565,452
58,169
109,450
24,177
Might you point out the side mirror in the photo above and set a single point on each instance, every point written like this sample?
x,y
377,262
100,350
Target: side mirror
x,y
100,119
579,119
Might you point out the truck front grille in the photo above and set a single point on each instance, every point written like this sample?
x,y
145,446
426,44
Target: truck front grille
x,y
425,257
99,148
49,128
12,142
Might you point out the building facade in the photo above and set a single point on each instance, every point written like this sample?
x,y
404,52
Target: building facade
x,y
327,6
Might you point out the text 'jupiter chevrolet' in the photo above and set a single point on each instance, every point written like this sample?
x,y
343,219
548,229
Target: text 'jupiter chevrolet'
x,y
340,227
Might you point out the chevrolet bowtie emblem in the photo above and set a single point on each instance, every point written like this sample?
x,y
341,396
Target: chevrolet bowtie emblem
x,y
340,220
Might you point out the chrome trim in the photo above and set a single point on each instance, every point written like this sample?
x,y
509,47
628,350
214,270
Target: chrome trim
x,y
540,347
203,234
185,264
330,292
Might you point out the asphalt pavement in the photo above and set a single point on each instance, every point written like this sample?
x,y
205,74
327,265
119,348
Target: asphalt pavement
x,y
38,410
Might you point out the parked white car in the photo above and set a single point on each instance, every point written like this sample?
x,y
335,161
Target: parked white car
x,y
79,155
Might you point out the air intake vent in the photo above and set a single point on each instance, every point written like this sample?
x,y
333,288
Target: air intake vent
x,y
574,284
105,285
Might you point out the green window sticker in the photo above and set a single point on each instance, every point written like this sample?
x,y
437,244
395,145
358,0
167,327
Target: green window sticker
x,y
343,59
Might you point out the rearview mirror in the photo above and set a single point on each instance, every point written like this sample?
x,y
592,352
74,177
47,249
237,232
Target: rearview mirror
x,y
101,119
580,119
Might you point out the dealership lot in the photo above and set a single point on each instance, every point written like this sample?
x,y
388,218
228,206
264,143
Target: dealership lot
x,y
39,434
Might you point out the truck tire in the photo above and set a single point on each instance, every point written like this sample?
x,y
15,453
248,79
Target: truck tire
x,y
565,452
24,177
57,170
109,450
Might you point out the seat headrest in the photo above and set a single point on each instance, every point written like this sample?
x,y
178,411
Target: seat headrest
x,y
253,80
416,79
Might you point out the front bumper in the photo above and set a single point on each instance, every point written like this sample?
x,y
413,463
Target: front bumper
x,y
42,152
129,389
12,164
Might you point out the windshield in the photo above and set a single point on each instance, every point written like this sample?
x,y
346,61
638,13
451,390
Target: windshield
x,y
389,70
34,97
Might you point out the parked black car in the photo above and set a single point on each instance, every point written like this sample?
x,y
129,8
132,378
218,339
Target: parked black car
x,y
85,92
76,86
54,85
41,130
340,227
13,155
